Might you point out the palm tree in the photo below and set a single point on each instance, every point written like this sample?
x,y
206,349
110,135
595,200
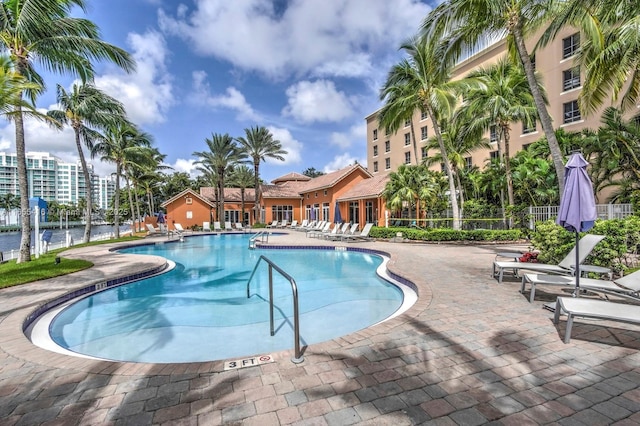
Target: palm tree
x,y
8,202
423,80
470,24
44,32
501,98
396,111
124,145
242,177
259,144
223,155
85,109
403,189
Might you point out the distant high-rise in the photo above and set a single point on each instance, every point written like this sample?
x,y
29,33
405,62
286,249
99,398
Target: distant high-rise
x,y
53,179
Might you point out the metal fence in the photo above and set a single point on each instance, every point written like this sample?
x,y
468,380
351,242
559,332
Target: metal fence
x,y
605,211
13,254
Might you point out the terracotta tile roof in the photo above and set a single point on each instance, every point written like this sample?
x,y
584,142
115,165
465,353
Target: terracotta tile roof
x,y
367,188
330,179
290,189
187,191
293,176
231,195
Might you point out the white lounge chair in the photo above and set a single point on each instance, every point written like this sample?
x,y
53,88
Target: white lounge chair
x,y
217,227
362,236
334,231
565,267
352,230
241,227
294,224
179,230
594,308
206,226
627,286
282,224
153,230
309,225
317,232
343,229
273,224
227,226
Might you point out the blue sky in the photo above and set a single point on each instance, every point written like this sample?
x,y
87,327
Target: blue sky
x,y
309,70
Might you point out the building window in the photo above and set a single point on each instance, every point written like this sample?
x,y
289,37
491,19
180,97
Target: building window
x,y
423,115
325,192
407,158
407,123
493,134
375,134
528,128
387,146
387,131
424,152
188,200
375,166
354,211
407,139
468,163
369,212
375,150
277,213
571,112
571,78
423,133
570,45
387,163
493,155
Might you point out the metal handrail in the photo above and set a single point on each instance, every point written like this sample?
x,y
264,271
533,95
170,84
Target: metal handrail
x,y
252,240
298,358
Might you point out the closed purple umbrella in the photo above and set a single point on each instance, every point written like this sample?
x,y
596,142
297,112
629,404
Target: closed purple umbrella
x,y
337,216
577,212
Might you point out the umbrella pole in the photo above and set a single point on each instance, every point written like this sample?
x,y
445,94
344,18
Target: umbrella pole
x,y
577,268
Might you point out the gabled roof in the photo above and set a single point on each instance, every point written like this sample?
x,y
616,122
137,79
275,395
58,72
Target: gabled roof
x,y
190,192
289,177
290,189
231,195
331,179
367,188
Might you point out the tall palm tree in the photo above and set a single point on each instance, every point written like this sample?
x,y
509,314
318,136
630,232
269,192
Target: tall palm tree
x,y
423,80
242,177
259,144
8,202
501,98
44,32
124,145
398,109
223,155
85,108
470,24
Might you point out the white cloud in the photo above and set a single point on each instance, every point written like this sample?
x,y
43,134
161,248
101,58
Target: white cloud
x,y
146,94
345,140
289,144
184,165
341,161
316,37
232,98
309,102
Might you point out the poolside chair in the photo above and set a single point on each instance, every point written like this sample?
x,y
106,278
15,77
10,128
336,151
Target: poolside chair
x,y
627,286
227,226
362,236
282,224
241,227
217,227
153,230
308,226
335,236
334,231
317,232
206,226
565,267
179,230
273,224
294,224
352,230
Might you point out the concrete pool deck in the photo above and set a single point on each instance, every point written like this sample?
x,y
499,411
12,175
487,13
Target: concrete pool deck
x,y
469,352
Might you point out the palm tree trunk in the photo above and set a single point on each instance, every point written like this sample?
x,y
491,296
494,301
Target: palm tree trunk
x,y
221,197
116,202
137,200
507,163
23,187
447,167
543,113
242,204
461,192
256,206
131,206
88,194
415,144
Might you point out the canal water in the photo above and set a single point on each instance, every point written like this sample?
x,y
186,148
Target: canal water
x,y
11,240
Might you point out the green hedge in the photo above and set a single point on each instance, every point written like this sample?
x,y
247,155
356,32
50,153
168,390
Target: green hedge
x,y
446,234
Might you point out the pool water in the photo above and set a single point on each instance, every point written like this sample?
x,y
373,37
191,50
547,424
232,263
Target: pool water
x,y
199,311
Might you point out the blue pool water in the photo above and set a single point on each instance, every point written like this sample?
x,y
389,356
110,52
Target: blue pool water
x,y
199,311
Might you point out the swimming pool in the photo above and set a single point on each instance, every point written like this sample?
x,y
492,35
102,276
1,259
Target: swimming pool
x,y
199,311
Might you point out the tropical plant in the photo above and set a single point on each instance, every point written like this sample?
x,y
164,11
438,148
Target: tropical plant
x,y
86,109
242,177
223,155
44,32
422,80
8,202
469,24
259,144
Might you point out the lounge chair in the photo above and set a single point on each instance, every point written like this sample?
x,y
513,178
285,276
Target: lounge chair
x,y
179,230
282,224
317,232
334,231
594,308
206,226
362,236
334,236
241,227
565,267
217,227
227,226
273,224
352,230
308,226
316,227
153,230
627,286
294,224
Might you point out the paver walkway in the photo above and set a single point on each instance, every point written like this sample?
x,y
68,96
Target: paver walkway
x,y
470,352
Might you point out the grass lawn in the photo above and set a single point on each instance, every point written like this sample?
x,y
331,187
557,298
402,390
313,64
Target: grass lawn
x,y
12,273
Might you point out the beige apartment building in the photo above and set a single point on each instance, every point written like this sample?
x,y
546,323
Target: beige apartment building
x,y
560,77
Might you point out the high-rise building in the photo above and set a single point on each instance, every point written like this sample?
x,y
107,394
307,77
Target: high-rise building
x,y
561,77
53,179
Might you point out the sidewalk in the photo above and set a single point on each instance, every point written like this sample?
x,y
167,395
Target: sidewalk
x,y
469,352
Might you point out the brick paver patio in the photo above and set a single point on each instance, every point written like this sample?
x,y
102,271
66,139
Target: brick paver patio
x,y
469,352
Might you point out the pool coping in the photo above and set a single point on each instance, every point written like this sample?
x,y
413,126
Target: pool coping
x,y
17,344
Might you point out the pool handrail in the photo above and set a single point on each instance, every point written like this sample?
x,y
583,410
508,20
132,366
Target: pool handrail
x,y
298,357
260,234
